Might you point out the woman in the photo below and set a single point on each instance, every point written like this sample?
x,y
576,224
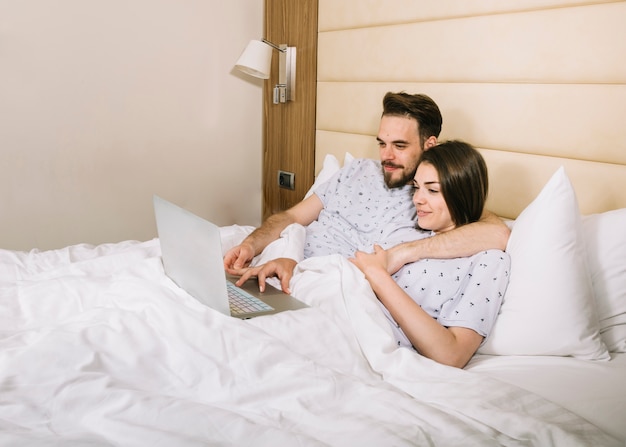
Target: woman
x,y
443,308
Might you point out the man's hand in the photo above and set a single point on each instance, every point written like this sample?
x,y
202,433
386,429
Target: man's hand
x,y
238,257
282,268
397,257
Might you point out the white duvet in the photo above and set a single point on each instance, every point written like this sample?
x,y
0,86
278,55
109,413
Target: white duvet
x,y
99,347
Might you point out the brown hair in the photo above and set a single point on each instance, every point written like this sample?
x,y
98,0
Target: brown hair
x,y
419,107
463,179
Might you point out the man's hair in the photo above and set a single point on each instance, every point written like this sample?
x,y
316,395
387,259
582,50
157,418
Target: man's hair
x,y
419,107
463,179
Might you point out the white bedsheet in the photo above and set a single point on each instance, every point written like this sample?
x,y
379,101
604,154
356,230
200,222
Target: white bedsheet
x,y
593,390
99,347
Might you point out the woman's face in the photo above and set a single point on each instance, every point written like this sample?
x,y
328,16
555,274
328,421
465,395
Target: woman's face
x,y
432,210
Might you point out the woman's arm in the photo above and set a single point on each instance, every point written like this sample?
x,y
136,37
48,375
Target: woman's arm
x,y
452,346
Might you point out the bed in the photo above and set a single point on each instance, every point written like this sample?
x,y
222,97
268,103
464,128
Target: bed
x,y
539,87
99,347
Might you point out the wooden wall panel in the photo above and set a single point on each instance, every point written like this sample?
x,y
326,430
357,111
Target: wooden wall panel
x,y
289,128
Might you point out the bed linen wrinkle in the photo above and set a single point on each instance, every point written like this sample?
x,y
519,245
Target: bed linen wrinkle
x,y
591,380
166,421
16,265
460,391
71,387
92,348
76,390
139,362
123,405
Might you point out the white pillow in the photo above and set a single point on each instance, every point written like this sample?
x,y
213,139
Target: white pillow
x,y
329,168
605,241
548,308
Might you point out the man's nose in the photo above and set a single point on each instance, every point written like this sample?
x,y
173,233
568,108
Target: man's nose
x,y
386,153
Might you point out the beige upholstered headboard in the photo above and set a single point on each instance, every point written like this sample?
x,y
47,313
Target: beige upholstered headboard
x,y
534,84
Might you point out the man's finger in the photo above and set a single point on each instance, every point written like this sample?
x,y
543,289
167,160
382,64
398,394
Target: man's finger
x,y
261,279
245,275
284,283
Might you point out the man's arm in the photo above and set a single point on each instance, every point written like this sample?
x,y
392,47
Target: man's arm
x,y
490,232
302,213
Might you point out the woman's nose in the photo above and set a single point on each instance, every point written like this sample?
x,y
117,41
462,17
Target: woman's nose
x,y
417,197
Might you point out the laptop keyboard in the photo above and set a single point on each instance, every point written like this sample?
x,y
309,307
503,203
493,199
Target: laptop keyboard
x,y
241,302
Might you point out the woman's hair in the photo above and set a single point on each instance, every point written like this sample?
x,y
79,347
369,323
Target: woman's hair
x,y
462,177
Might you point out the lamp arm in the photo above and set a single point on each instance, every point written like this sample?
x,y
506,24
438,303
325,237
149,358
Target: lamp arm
x,y
276,47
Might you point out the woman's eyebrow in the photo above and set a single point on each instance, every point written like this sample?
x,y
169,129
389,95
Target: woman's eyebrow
x,y
429,183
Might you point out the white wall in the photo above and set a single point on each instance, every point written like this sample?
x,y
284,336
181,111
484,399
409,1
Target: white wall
x,y
105,102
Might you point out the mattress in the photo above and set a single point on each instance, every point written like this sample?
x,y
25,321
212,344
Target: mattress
x,y
594,390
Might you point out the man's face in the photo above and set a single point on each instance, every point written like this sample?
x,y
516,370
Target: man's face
x,y
400,148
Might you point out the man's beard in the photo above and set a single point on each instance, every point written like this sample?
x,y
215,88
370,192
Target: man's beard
x,y
399,182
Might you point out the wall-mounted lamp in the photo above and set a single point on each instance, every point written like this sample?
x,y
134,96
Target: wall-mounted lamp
x,y
256,61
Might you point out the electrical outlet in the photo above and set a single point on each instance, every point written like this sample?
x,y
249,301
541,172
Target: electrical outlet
x,y
286,180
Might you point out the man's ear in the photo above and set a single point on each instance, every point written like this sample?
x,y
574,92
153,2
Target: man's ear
x,y
430,142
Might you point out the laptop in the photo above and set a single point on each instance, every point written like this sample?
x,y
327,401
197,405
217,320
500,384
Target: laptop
x,y
191,251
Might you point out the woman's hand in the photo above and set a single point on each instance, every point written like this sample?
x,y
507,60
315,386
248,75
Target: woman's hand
x,y
371,264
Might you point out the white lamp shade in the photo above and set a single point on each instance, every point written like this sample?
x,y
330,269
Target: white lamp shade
x,y
256,60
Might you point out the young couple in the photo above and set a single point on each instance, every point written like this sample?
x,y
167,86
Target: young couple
x,y
449,274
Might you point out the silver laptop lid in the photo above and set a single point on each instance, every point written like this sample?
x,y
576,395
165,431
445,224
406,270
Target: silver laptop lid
x,y
191,253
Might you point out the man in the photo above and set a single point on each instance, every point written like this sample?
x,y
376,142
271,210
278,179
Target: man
x,y
369,202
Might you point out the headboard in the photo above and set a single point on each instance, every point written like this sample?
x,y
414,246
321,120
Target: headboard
x,y
534,84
